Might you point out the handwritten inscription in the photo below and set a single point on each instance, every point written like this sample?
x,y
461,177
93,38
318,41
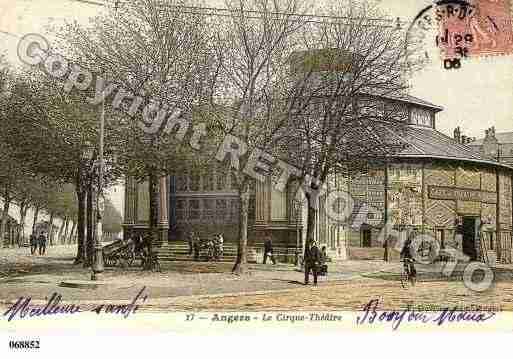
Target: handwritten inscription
x,y
460,194
370,315
24,308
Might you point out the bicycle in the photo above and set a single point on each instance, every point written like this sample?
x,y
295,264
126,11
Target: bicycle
x,y
408,274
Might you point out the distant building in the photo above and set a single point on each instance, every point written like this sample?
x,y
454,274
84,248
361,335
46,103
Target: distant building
x,y
11,231
498,146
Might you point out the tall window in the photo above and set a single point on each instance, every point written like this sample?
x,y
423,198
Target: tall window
x,y
234,211
221,180
194,182
143,202
208,180
421,117
180,210
194,209
220,209
208,210
181,182
278,205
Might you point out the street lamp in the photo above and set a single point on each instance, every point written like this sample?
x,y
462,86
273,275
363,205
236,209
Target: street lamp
x,y
97,260
97,266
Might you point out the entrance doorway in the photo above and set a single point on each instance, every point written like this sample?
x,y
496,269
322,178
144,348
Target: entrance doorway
x,y
469,237
366,237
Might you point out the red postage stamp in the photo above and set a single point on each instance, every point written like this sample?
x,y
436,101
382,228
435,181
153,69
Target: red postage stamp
x,y
474,28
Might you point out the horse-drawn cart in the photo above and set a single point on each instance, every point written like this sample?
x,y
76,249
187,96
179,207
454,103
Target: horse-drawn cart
x,y
124,253
119,253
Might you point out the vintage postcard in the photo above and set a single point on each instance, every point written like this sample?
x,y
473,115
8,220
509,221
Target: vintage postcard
x,y
206,167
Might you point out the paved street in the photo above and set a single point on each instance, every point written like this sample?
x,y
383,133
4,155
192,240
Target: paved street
x,y
211,286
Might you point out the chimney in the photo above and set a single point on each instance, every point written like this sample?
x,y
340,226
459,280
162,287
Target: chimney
x,y
457,134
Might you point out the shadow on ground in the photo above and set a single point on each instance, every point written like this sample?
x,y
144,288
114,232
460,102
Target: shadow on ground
x,y
500,275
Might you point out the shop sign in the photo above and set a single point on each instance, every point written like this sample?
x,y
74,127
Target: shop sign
x,y
461,194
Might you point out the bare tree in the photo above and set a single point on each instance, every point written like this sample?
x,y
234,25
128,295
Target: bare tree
x,y
157,53
351,62
254,42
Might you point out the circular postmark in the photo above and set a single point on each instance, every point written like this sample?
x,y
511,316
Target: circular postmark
x,y
454,30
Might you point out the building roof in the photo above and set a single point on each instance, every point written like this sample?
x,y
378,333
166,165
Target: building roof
x,y
502,137
414,100
425,142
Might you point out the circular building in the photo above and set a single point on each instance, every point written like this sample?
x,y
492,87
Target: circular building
x,y
437,186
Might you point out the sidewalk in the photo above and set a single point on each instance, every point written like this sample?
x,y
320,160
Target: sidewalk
x,y
211,286
38,277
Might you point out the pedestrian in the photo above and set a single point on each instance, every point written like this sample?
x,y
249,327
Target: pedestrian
x,y
196,244
323,267
42,244
219,245
190,241
33,243
268,249
408,258
312,260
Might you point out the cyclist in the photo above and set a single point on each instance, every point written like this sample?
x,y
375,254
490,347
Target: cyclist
x,y
408,260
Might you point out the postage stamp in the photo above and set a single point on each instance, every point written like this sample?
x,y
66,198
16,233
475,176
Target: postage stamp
x,y
474,28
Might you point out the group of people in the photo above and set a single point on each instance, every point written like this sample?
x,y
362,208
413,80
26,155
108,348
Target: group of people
x,y
38,244
213,245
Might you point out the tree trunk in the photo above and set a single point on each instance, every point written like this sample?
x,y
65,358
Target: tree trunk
x,y
154,212
240,262
5,217
23,216
81,197
89,242
36,215
50,229
311,219
61,229
65,233
72,232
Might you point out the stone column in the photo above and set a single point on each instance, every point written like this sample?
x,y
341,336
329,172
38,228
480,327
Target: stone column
x,y
172,202
163,221
129,219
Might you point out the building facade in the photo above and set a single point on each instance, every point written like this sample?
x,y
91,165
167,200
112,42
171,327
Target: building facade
x,y
498,146
437,186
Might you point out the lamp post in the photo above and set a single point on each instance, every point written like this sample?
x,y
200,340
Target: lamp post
x,y
97,260
97,266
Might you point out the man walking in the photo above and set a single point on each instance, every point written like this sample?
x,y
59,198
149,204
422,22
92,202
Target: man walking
x,y
42,244
312,259
268,250
33,243
196,246
190,241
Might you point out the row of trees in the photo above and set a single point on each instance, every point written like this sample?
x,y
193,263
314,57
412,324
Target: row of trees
x,y
36,165
270,75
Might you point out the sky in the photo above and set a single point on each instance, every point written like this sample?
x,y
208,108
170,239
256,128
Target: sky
x,y
475,97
